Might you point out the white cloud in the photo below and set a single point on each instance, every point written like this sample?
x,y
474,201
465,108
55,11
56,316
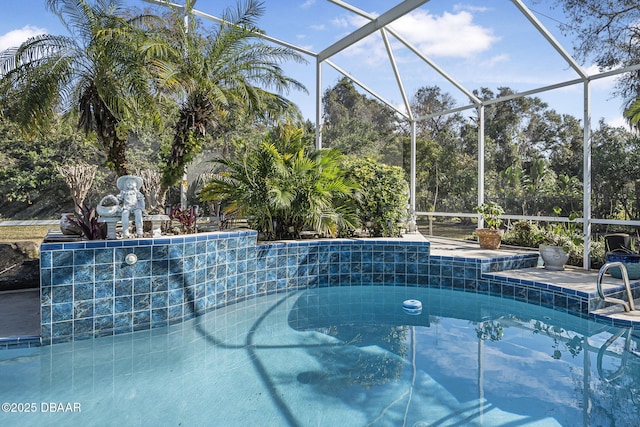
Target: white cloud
x,y
349,21
307,4
459,7
618,122
15,37
318,27
592,69
452,35
606,83
495,60
449,35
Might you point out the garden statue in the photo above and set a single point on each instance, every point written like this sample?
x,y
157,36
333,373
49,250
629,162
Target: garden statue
x,y
132,200
129,200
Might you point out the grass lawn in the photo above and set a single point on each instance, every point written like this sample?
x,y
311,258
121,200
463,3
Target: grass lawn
x,y
447,229
35,233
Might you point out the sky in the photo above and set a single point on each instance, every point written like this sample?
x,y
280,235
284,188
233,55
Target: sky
x,y
479,43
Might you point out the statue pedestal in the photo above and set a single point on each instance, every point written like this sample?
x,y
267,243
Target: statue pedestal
x,y
154,220
111,222
156,223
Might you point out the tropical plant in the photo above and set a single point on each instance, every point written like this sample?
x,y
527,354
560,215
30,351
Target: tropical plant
x,y
154,201
632,113
186,217
87,221
98,75
219,77
277,185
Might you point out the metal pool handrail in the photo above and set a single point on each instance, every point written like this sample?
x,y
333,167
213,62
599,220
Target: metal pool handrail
x,y
628,306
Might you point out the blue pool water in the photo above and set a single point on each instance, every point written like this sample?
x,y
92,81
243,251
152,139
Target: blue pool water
x,y
338,356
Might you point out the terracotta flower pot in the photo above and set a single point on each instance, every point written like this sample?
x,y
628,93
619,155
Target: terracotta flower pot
x,y
489,238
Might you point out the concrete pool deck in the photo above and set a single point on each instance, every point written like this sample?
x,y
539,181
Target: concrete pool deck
x,y
572,278
20,310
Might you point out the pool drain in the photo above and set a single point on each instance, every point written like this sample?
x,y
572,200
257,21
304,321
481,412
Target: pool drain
x,y
412,306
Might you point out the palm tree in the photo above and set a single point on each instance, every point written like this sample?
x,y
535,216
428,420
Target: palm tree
x,y
632,113
219,77
97,75
284,190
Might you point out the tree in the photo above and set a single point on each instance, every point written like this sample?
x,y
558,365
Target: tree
x,y
609,30
30,185
609,33
504,125
559,138
79,178
97,75
632,114
219,78
443,181
429,100
615,171
355,124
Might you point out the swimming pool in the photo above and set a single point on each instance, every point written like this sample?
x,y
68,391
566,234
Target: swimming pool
x,y
343,355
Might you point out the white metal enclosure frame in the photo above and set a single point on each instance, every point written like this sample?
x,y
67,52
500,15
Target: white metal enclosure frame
x,y
380,24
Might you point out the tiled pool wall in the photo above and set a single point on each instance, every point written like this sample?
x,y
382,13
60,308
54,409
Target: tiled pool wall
x,y
476,275
88,290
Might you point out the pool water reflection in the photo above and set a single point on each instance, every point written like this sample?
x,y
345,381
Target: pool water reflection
x,y
341,356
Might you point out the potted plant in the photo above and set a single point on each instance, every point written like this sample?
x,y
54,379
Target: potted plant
x,y
490,236
559,238
555,252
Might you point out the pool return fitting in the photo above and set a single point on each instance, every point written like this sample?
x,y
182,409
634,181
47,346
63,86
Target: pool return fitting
x,y
131,259
627,306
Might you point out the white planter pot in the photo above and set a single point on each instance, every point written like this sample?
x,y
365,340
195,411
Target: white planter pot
x,y
554,257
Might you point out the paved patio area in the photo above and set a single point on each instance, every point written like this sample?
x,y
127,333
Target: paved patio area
x,y
572,278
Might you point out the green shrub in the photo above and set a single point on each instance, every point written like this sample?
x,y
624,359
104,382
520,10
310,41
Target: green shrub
x,y
384,198
524,233
530,235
